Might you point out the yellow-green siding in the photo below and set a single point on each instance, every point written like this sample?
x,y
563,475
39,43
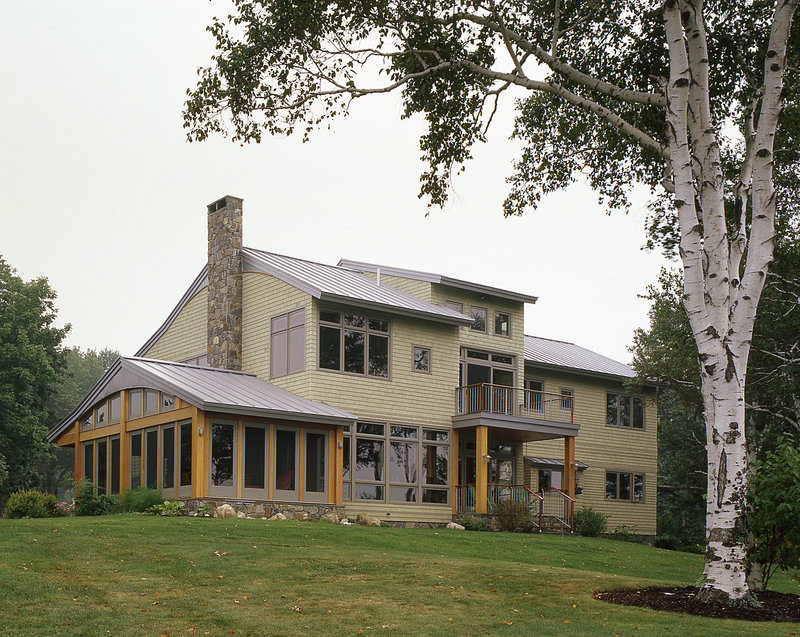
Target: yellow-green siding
x,y
604,449
188,335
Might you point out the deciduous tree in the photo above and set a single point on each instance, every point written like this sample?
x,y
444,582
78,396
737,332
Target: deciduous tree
x,y
619,91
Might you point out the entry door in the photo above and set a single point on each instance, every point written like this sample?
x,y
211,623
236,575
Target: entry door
x,y
285,460
501,471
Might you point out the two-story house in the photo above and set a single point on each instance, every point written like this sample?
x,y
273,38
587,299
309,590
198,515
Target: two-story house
x,y
283,383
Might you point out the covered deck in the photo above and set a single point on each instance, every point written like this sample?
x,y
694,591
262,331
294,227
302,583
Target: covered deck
x,y
487,413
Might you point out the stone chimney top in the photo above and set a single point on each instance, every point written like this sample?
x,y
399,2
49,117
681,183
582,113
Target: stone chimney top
x,y
225,283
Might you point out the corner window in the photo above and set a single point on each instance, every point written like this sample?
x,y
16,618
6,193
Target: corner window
x,y
502,324
622,485
478,315
567,398
354,343
287,353
422,359
624,411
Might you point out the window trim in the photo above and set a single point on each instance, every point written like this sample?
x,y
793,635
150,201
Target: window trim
x,y
632,398
633,475
386,438
460,304
485,309
414,348
494,325
388,334
301,327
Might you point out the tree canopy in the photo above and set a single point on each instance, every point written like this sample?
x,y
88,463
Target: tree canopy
x,y
31,359
697,100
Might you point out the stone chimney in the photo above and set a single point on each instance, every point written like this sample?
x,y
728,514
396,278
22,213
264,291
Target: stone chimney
x,y
225,283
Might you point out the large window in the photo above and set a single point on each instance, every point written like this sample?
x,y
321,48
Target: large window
x,y
396,463
287,353
223,452
624,486
502,323
254,478
185,459
354,343
101,464
285,461
478,315
624,411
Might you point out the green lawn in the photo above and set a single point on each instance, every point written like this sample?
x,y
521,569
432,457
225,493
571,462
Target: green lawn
x,y
136,575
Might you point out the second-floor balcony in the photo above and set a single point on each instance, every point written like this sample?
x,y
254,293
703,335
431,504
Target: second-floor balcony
x,y
514,402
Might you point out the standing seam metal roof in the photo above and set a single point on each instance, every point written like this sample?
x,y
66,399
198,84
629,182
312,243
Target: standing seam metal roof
x,y
546,352
206,388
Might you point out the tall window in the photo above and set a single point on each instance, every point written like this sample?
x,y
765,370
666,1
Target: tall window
x,y
222,455
255,460
136,459
185,455
624,411
168,460
354,343
478,315
287,353
396,463
502,323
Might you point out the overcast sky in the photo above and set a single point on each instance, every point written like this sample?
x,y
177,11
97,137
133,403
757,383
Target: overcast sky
x,y
103,195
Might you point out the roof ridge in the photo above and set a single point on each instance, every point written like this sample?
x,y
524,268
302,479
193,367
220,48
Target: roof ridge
x,y
555,340
178,364
287,256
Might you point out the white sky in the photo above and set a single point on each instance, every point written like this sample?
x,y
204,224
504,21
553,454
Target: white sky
x,y
103,195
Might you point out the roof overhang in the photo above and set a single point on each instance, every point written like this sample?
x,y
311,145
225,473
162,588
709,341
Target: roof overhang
x,y
516,428
394,310
587,372
553,462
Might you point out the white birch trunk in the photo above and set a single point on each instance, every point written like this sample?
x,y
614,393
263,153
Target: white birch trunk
x,y
720,303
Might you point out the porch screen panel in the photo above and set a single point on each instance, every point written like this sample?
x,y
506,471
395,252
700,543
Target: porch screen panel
x,y
136,460
186,455
115,457
285,453
88,461
221,455
315,462
254,458
151,459
168,459
102,466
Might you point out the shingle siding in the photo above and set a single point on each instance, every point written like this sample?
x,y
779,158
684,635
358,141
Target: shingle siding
x,y
188,334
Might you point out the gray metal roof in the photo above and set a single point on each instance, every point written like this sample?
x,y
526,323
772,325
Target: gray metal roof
x,y
360,266
209,389
325,282
343,285
553,462
560,355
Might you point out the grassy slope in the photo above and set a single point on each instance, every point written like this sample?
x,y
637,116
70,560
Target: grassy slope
x,y
134,575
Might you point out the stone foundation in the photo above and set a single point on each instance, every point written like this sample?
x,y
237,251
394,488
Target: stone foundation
x,y
265,509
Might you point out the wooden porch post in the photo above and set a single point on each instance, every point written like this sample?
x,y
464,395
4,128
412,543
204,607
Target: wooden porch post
x,y
454,469
78,456
481,468
569,466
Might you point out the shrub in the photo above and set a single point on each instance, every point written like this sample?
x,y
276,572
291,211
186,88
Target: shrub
x,y
472,523
30,504
590,522
89,502
204,510
63,509
168,508
139,500
775,509
512,515
625,533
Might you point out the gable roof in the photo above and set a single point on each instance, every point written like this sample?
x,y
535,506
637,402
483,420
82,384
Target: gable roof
x,y
325,282
209,389
560,355
360,266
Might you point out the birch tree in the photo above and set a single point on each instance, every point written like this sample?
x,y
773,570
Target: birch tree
x,y
680,95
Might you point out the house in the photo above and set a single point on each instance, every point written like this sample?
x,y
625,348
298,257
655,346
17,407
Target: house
x,y
297,386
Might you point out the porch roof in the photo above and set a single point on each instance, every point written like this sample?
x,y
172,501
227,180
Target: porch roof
x,y
553,462
209,389
517,428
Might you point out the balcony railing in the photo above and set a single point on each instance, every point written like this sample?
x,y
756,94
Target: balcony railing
x,y
513,401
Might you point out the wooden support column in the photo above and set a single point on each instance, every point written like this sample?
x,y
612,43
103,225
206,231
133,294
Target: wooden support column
x,y
569,466
238,472
454,469
78,455
338,471
198,423
124,443
481,469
